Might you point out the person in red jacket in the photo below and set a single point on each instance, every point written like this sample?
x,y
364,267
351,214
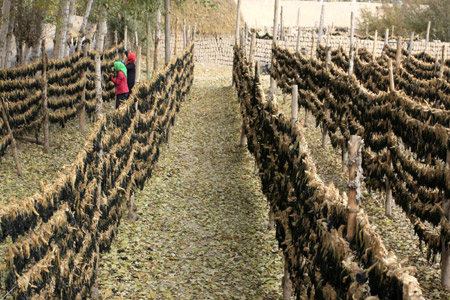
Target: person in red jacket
x,y
120,83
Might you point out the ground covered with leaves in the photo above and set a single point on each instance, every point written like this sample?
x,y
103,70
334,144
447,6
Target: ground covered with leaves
x,y
202,227
397,233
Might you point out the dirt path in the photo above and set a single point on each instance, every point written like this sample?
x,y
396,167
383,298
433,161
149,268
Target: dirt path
x,y
201,232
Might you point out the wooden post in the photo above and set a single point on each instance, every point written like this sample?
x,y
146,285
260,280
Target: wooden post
x,y
274,41
167,31
176,38
441,70
45,120
322,18
115,37
411,45
286,282
157,39
251,53
294,104
398,55
81,109
238,20
194,32
428,36
282,37
352,54
98,87
313,44
325,106
445,254
184,34
355,145
125,36
13,140
95,293
136,40
138,64
391,77
386,37
147,56
375,45
297,48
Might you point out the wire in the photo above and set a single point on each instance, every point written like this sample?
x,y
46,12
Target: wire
x,y
4,297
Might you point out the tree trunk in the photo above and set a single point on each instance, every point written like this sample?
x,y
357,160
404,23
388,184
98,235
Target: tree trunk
x,y
176,38
8,45
6,9
98,88
81,109
102,29
69,26
125,36
147,58
157,39
85,18
167,30
61,26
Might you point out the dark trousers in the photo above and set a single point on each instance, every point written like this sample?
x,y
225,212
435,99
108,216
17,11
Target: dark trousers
x,y
120,99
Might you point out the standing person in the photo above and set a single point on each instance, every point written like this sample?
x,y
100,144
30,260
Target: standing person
x,y
120,83
131,69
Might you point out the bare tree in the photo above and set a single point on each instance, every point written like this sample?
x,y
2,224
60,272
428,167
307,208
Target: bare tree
x,y
61,27
6,12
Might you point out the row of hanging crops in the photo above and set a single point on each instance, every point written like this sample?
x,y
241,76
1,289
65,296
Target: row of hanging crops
x,y
310,217
68,84
402,145
57,233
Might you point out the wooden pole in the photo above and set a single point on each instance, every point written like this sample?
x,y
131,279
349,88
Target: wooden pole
x,y
13,140
325,106
176,38
386,37
184,34
238,20
281,25
398,55
322,18
441,70
157,39
391,77
294,104
355,145
375,45
115,37
313,44
274,41
167,30
251,53
411,45
138,64
125,36
45,121
352,54
445,254
297,48
147,56
428,36
136,40
81,109
98,87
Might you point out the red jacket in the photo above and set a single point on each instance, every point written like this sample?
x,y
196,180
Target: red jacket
x,y
120,83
